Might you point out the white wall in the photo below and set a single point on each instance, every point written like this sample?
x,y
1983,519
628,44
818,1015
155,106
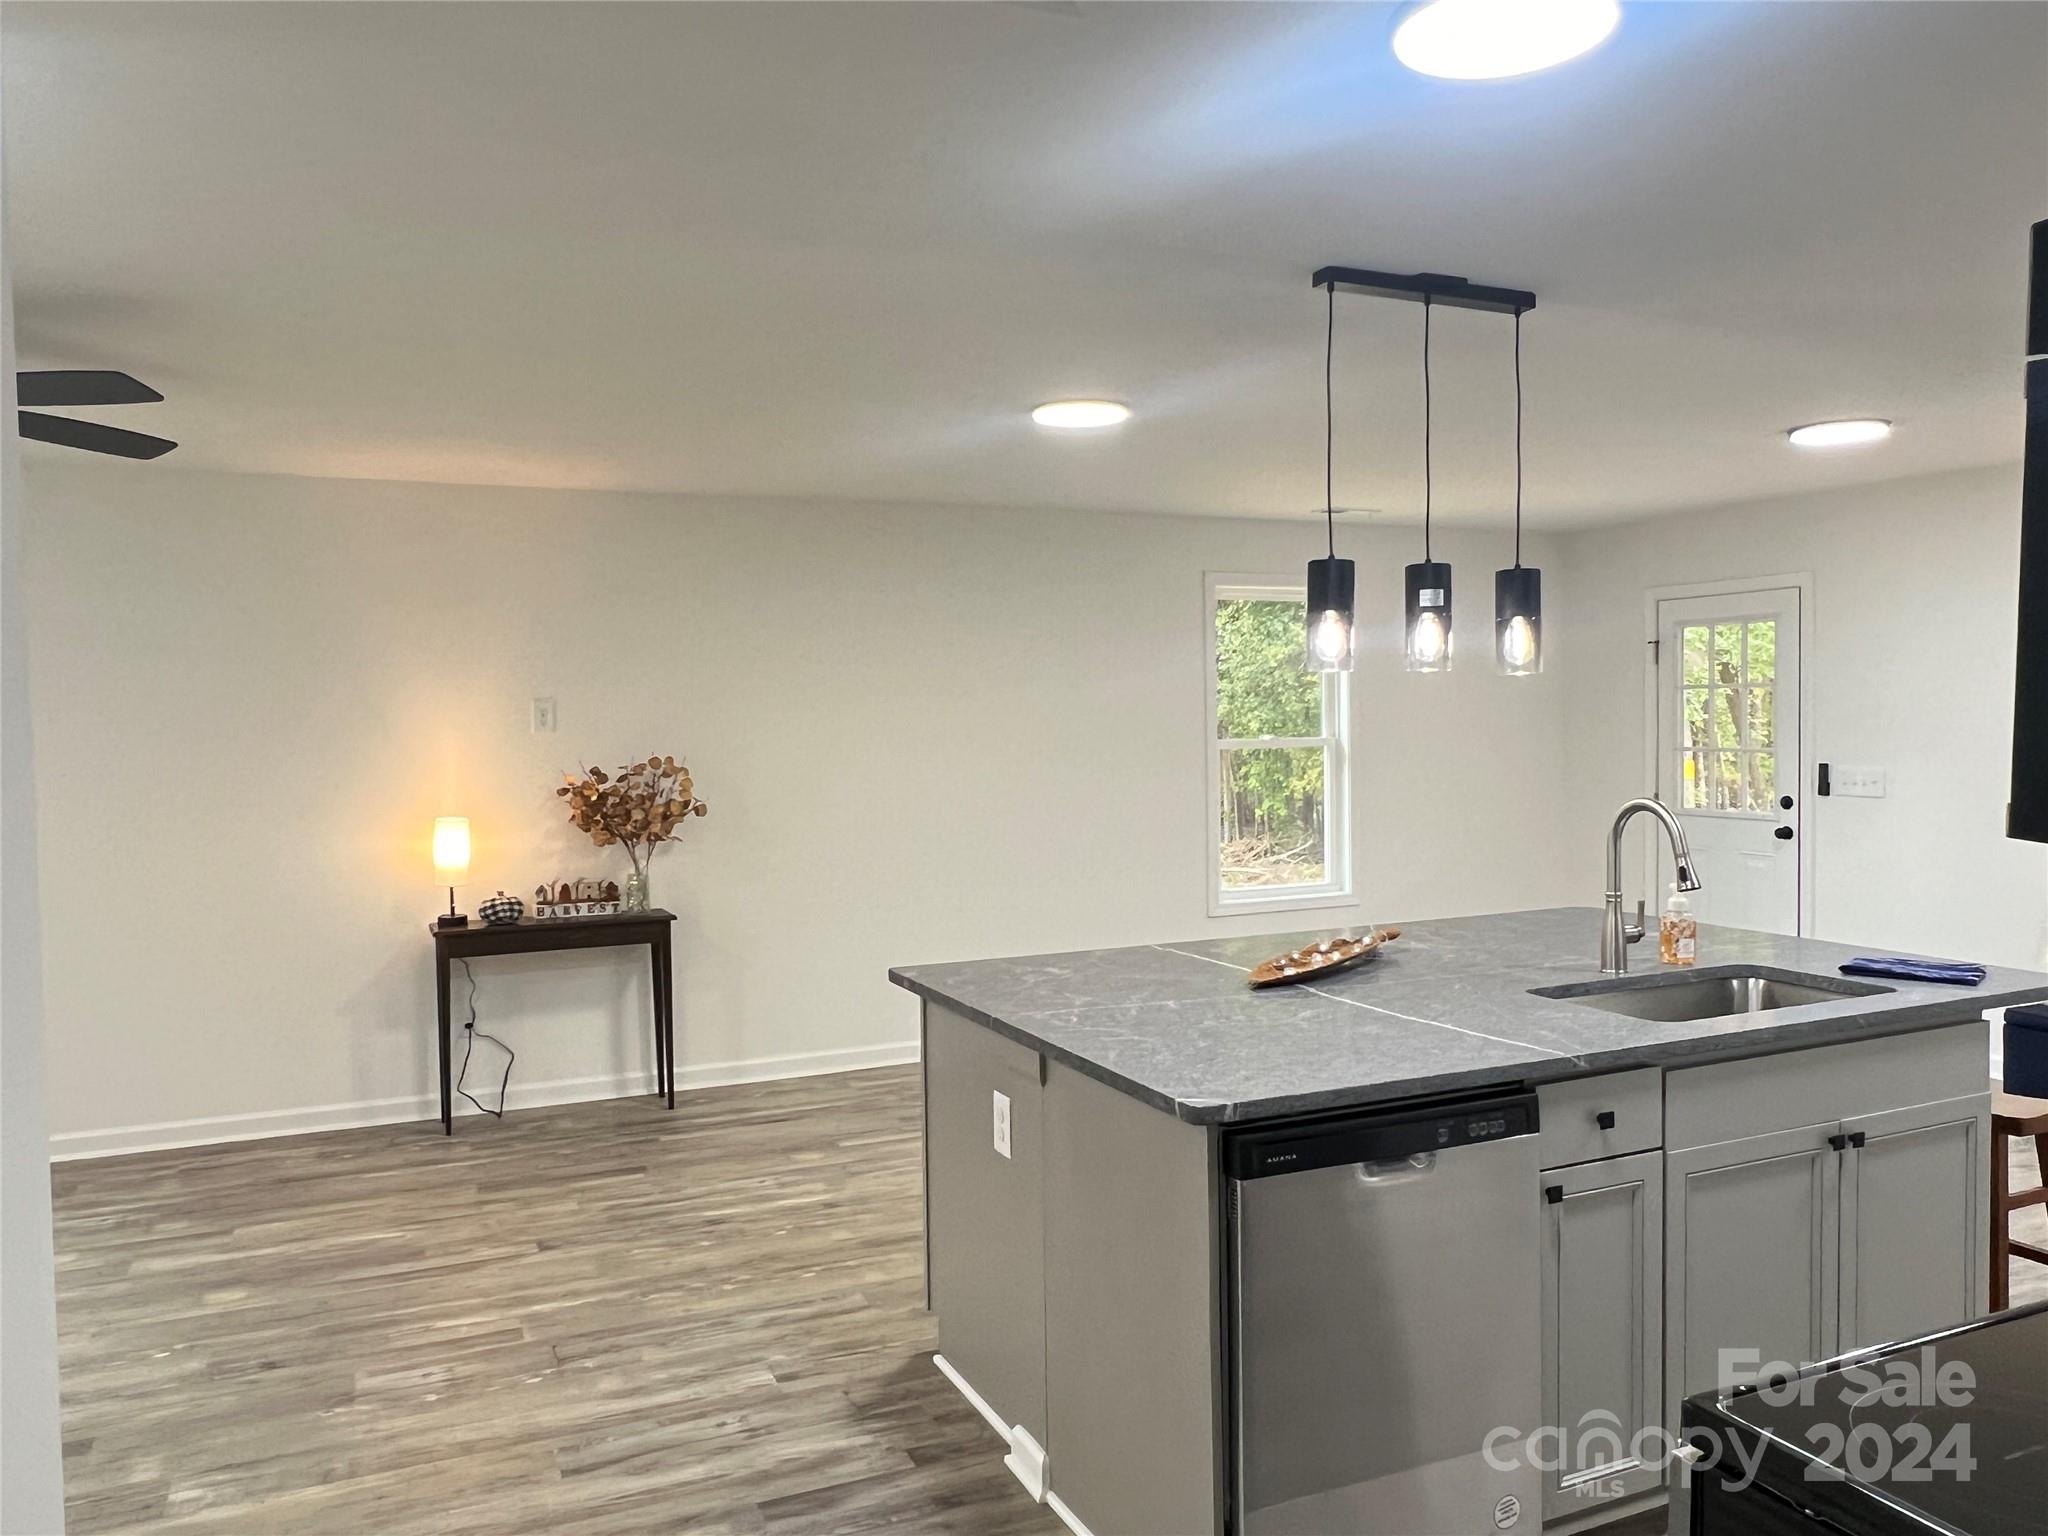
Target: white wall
x,y
31,1461
923,733
1911,670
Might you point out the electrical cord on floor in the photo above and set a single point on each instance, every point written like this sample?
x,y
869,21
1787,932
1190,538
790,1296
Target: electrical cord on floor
x,y
470,1032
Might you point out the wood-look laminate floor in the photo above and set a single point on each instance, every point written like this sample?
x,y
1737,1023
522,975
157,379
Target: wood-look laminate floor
x,y
597,1318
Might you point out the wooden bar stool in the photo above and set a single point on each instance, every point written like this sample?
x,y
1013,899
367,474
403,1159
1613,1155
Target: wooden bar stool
x,y
2013,1116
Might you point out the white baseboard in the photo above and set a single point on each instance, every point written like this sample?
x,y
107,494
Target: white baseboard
x,y
117,1141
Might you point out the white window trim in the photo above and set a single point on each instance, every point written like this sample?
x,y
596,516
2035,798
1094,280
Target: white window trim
x,y
1335,891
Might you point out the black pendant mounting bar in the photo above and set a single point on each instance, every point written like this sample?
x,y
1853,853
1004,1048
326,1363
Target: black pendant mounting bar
x,y
1437,287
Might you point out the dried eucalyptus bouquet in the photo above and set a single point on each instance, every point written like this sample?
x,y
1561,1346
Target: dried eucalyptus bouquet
x,y
642,806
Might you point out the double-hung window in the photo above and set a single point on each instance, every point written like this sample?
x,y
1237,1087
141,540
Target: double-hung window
x,y
1278,789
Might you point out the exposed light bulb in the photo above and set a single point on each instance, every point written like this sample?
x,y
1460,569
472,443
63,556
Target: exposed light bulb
x,y
1429,640
1518,643
1331,637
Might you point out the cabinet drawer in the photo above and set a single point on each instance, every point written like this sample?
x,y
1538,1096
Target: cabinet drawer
x,y
1756,1095
1570,1115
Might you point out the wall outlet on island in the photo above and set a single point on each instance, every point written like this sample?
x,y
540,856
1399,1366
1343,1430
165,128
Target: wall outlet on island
x,y
1002,1124
1864,783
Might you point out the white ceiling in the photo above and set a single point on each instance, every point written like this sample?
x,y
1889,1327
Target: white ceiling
x,y
839,250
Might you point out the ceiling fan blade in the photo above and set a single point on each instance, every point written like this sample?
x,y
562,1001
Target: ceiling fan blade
x,y
81,386
92,437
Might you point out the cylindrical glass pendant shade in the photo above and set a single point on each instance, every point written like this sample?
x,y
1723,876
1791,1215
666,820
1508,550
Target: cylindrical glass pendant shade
x,y
1518,620
1428,631
1330,629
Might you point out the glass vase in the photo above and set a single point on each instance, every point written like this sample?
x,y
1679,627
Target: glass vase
x,y
635,896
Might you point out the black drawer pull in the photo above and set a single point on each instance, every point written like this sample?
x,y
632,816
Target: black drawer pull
x,y
1839,1142
1856,1139
1553,1194
1605,1119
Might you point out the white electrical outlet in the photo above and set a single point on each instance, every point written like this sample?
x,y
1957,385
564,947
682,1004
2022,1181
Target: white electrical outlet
x,y
1002,1124
543,717
1860,783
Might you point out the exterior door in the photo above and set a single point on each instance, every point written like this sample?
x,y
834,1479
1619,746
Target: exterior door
x,y
1750,1255
1603,1332
1915,1198
1728,752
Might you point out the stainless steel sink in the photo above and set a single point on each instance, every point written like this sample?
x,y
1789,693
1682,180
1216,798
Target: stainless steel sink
x,y
1723,992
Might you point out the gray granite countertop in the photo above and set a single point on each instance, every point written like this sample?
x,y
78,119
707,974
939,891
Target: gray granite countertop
x,y
1445,1008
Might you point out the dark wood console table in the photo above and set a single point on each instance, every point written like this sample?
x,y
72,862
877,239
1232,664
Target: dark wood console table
x,y
535,936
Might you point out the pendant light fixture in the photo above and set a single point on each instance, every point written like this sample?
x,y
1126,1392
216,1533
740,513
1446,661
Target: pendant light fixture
x,y
1331,582
1428,629
1426,635
1518,590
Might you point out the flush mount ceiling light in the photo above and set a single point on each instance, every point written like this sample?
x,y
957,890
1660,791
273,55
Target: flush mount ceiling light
x,y
1078,415
1497,39
1839,434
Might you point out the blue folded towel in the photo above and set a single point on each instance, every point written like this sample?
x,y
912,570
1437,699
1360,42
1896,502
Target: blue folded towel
x,y
1959,972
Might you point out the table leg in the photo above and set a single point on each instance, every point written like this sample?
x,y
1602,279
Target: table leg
x,y
654,1007
441,1040
668,1015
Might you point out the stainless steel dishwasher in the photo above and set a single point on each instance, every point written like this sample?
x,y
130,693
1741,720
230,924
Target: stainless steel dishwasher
x,y
1385,1321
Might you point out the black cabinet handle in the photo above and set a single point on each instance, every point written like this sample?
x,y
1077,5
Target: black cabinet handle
x,y
1553,1194
1839,1142
1856,1139
1605,1119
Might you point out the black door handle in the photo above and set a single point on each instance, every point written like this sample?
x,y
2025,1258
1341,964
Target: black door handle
x,y
1784,802
1783,834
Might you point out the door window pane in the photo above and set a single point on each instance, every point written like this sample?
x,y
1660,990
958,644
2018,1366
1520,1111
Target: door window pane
x,y
1261,689
1695,727
1692,781
1726,732
1694,646
1763,725
1763,781
1763,650
1728,791
1728,655
1271,816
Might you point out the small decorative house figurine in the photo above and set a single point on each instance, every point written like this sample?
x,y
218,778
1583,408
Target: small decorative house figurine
x,y
576,898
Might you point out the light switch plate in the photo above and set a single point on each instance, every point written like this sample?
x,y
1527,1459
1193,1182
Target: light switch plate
x,y
1002,1123
1863,783
543,717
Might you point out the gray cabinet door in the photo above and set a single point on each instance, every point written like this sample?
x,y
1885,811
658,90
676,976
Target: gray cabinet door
x,y
1914,1199
1603,1339
1750,1256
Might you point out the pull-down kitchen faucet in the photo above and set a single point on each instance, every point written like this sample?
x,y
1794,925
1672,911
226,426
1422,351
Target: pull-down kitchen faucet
x,y
1615,934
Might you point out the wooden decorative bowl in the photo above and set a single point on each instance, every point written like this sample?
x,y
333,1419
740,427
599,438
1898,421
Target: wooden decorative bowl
x,y
1320,960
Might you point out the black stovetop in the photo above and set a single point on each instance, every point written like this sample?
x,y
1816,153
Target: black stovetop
x,y
1946,1434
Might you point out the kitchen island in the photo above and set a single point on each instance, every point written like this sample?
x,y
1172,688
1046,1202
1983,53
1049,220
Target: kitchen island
x,y
1111,1290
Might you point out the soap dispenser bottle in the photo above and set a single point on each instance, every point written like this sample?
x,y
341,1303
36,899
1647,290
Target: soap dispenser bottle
x,y
1678,934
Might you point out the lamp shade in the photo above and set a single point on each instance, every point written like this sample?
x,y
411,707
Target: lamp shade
x,y
451,849
1331,584
1428,629
1518,620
